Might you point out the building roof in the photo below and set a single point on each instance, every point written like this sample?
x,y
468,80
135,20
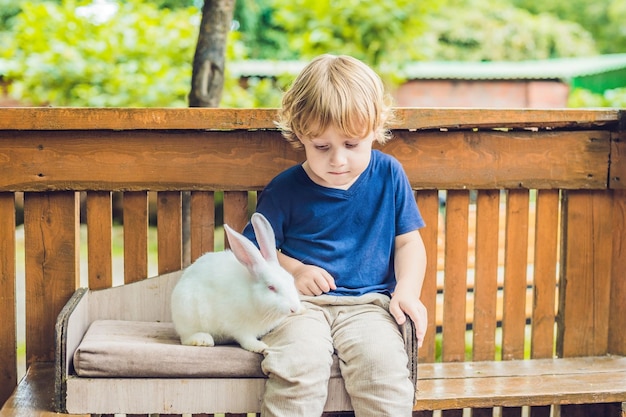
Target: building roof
x,y
597,73
557,68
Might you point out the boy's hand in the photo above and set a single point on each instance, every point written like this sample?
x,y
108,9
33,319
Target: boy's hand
x,y
313,280
402,306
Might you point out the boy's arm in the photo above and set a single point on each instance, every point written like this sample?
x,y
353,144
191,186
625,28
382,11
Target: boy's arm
x,y
310,279
410,267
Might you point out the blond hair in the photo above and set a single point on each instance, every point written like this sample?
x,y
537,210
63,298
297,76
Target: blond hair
x,y
335,91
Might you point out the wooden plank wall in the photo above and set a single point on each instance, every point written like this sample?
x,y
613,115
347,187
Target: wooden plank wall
x,y
532,216
8,336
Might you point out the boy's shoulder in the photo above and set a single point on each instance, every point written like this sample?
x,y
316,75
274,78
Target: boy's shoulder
x,y
288,176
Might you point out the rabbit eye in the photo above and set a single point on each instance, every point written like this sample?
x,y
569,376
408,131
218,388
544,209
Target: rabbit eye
x,y
271,288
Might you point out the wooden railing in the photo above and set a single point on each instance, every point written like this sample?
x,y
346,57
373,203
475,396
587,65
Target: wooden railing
x,y
525,213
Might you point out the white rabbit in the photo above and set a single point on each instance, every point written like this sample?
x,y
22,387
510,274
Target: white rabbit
x,y
236,295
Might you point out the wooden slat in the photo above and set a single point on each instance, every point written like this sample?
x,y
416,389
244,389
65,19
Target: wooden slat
x,y
486,275
521,382
455,284
8,339
545,279
180,395
99,226
522,368
235,210
584,305
515,261
135,236
545,269
428,203
617,168
51,234
161,161
472,118
617,324
202,223
515,265
51,118
169,229
242,160
490,160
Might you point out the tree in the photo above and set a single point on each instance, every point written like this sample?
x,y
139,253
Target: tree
x,y
207,80
59,57
263,37
141,56
388,34
384,34
494,30
604,19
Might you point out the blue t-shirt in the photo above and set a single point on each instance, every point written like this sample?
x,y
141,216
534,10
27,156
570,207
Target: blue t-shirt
x,y
350,233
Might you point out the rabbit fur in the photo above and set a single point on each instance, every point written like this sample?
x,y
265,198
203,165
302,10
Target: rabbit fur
x,y
236,295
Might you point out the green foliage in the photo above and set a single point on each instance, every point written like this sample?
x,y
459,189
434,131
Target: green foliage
x,y
493,30
365,29
585,98
394,32
259,92
141,56
264,38
177,4
603,18
8,10
381,33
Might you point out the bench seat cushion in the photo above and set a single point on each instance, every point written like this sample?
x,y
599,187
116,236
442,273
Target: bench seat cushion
x,y
119,348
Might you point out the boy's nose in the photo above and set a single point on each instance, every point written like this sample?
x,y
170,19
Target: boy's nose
x,y
337,158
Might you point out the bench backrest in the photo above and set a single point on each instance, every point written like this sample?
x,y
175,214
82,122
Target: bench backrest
x,y
525,213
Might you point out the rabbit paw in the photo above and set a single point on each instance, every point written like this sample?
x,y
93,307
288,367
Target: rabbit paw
x,y
199,339
253,345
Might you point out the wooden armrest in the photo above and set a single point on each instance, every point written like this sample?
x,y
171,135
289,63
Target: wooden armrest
x,y
410,345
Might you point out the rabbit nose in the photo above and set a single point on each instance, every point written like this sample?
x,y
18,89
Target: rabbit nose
x,y
295,309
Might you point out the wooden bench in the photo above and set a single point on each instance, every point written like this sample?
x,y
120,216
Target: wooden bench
x,y
568,167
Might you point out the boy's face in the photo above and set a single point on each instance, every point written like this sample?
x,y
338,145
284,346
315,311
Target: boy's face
x,y
336,161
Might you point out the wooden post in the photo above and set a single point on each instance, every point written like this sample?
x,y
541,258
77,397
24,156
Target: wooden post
x,y
8,338
51,234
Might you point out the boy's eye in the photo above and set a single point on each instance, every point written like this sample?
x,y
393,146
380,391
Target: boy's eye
x,y
351,145
321,147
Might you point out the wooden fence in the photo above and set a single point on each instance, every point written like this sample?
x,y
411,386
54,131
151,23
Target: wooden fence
x,y
520,205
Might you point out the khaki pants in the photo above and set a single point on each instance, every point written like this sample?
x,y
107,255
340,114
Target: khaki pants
x,y
371,354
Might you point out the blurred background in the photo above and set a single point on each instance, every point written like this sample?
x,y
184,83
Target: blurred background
x,y
461,53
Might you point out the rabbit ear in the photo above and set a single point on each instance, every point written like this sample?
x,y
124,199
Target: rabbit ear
x,y
243,249
265,236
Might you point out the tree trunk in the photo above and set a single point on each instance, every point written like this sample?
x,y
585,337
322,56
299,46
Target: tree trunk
x,y
207,79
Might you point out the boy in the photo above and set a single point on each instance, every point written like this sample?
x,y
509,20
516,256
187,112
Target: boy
x,y
346,227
